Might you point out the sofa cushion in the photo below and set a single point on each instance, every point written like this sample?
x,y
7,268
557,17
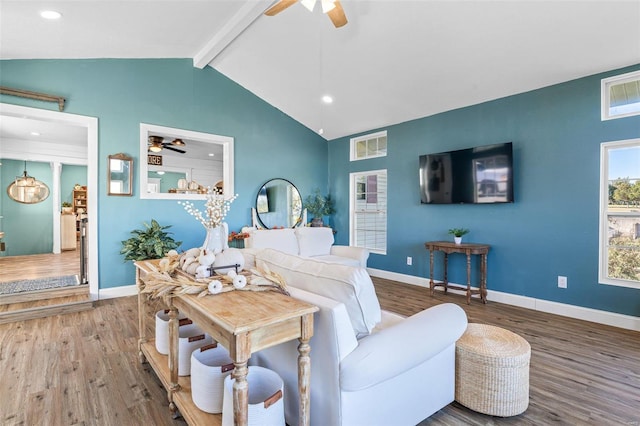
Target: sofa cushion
x,y
314,241
338,259
280,239
347,284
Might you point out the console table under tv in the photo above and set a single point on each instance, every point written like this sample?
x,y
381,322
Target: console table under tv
x,y
468,249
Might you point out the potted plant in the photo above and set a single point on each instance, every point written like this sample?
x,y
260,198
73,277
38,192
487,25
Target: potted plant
x,y
458,233
319,205
67,207
153,242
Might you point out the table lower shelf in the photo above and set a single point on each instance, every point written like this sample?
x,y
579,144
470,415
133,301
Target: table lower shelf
x,y
181,398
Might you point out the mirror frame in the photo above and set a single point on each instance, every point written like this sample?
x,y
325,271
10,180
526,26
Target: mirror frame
x,y
124,158
147,130
43,187
260,193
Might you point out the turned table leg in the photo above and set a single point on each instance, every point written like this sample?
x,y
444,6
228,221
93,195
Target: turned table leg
x,y
174,325
483,278
304,371
431,284
446,267
468,278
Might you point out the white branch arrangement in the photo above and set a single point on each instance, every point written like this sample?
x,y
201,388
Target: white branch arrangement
x,y
216,208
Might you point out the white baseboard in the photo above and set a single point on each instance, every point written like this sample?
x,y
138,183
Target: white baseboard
x,y
122,291
578,312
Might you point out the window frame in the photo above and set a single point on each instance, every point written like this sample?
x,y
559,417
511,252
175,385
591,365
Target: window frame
x,y
353,153
604,214
605,99
353,186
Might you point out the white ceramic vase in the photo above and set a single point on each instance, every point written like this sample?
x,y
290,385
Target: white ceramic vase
x,y
213,240
458,240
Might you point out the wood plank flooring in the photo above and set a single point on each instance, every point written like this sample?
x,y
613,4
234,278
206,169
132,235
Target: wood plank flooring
x,y
42,303
82,368
34,266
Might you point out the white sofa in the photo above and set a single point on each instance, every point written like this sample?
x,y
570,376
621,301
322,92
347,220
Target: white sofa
x,y
368,366
306,241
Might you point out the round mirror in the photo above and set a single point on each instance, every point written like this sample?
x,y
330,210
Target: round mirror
x,y
279,204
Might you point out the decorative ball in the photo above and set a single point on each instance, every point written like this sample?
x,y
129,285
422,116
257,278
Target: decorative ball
x,y
229,257
239,281
215,287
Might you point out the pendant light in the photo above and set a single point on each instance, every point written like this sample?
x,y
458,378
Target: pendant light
x,y
27,189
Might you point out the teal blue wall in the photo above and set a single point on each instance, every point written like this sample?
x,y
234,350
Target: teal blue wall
x,y
170,92
551,229
69,177
28,227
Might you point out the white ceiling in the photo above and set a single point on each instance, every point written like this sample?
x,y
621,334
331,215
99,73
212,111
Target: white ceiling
x,y
393,62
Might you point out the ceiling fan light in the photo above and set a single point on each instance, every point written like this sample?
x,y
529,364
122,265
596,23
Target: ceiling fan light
x,y
155,148
328,5
178,142
309,4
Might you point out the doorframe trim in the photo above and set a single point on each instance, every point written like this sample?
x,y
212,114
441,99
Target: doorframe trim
x,y
91,124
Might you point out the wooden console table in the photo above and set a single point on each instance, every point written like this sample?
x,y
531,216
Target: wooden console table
x,y
465,248
243,322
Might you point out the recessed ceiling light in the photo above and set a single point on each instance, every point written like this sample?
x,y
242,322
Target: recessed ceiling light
x,y
327,99
320,131
50,14
35,134
211,154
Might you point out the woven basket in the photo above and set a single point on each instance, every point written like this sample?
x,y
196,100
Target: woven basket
x,y
492,371
191,337
266,406
162,331
209,366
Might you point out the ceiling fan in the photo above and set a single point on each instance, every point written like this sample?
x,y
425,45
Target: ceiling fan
x,y
333,8
157,144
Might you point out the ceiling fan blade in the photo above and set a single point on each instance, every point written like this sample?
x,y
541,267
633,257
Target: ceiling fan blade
x,y
337,15
174,149
279,7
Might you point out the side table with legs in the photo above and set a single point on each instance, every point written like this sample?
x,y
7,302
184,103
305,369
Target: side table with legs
x,y
465,248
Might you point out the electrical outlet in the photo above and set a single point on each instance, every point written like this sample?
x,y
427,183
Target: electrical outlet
x,y
562,281
409,260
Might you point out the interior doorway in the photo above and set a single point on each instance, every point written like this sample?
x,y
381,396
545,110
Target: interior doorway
x,y
47,152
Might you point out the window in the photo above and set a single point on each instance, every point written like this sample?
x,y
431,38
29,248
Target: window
x,y
369,146
621,96
620,213
368,207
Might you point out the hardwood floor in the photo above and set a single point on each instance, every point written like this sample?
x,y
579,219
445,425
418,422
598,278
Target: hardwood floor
x,y
82,368
33,266
42,303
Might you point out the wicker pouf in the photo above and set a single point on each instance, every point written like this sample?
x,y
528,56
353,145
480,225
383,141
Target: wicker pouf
x,y
492,371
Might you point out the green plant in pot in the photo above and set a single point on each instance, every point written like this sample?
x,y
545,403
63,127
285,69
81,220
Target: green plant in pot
x,y
152,242
67,207
319,206
458,233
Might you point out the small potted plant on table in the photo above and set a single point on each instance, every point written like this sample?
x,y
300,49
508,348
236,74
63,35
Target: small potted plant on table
x,y
458,233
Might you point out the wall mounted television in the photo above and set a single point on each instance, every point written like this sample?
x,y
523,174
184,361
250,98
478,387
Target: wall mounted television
x,y
478,175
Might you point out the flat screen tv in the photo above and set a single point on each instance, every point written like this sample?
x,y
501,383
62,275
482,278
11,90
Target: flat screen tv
x,y
479,175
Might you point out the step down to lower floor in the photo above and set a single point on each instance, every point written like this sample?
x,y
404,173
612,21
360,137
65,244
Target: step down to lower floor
x,y
45,307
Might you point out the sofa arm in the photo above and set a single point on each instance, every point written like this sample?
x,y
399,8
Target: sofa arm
x,y
397,349
358,253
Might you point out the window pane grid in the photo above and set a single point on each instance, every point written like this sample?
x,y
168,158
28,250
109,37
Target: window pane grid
x,y
369,217
369,146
